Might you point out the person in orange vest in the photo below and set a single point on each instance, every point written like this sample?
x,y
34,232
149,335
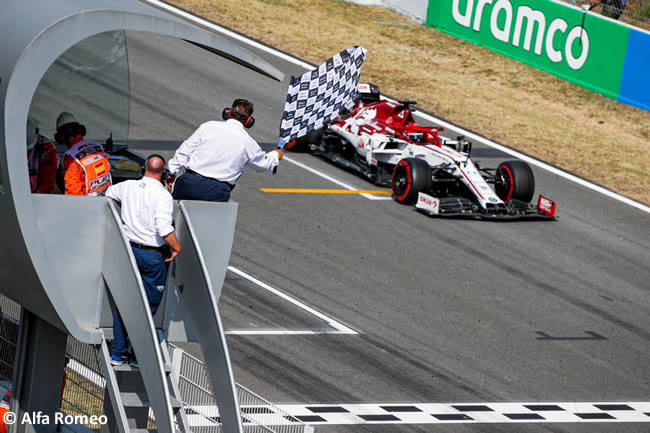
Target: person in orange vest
x,y
86,166
42,161
5,406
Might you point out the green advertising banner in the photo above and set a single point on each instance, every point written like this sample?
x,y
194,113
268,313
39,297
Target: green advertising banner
x,y
577,46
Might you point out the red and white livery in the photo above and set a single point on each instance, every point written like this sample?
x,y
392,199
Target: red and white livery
x,y
381,141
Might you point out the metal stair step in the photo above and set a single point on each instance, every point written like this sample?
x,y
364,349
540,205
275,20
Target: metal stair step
x,y
108,333
140,399
144,430
126,368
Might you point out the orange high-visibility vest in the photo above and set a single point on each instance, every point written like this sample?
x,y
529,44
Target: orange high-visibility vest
x,y
5,405
94,162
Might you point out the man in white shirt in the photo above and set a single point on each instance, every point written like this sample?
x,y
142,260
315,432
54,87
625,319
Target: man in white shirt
x,y
217,154
146,212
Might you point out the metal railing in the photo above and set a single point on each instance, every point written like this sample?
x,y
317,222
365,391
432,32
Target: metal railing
x,y
258,415
636,12
9,320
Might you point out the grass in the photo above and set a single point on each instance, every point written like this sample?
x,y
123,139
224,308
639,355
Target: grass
x,y
82,397
637,13
524,108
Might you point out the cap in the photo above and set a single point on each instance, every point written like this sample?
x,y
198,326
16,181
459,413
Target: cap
x,y
64,118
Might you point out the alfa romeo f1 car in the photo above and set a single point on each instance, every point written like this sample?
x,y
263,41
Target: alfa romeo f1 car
x,y
380,141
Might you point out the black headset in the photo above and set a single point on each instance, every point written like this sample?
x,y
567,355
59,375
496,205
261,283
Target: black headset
x,y
226,113
71,129
163,176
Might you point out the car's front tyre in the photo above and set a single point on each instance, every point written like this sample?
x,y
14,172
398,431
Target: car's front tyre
x,y
410,177
514,180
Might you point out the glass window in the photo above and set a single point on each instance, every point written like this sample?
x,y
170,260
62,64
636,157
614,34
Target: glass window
x,y
91,81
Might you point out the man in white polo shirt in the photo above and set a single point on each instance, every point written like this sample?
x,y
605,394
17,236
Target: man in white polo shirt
x,y
146,212
217,154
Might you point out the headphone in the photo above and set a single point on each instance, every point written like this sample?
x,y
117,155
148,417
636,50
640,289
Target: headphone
x,y
69,130
163,175
227,112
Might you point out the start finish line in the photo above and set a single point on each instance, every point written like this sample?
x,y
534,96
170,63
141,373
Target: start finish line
x,y
441,413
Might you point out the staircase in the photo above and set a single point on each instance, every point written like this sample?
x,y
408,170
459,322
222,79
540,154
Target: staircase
x,y
129,409
199,274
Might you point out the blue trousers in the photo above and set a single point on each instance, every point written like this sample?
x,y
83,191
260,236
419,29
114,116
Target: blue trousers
x,y
153,271
191,186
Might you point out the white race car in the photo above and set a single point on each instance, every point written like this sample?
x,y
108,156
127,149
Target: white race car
x,y
380,140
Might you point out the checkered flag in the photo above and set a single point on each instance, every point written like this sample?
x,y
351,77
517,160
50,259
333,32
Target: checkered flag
x,y
318,96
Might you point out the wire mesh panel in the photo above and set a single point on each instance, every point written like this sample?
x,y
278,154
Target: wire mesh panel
x,y
258,415
9,308
84,383
635,12
82,392
8,341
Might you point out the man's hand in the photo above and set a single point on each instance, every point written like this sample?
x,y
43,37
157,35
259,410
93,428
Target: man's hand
x,y
280,154
173,256
174,245
170,181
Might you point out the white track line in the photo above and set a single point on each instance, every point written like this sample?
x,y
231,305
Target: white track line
x,y
286,332
217,28
333,180
87,373
331,322
308,66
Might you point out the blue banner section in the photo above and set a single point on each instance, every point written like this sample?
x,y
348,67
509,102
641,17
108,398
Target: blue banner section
x,y
635,81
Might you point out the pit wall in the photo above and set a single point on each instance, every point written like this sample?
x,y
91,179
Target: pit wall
x,y
585,48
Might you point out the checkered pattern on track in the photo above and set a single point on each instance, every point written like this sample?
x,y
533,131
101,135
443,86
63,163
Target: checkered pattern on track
x,y
439,413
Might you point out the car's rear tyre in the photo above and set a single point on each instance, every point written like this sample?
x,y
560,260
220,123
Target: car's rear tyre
x,y
514,180
410,176
302,144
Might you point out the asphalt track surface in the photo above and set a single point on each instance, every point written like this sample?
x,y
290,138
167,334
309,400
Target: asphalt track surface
x,y
446,310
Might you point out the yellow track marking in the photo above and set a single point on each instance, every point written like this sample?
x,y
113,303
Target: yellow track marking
x,y
325,191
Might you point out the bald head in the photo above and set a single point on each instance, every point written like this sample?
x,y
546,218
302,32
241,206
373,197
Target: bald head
x,y
154,167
